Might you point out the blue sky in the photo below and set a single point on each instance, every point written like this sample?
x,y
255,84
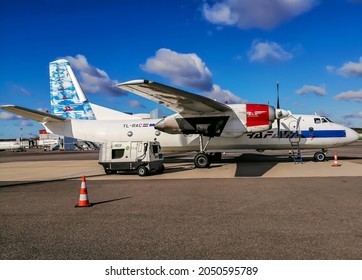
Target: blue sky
x,y
230,50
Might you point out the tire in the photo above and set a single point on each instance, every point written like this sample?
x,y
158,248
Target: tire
x,y
162,168
319,156
108,172
202,160
142,170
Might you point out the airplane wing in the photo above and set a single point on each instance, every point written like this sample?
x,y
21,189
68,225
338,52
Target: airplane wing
x,y
38,116
178,100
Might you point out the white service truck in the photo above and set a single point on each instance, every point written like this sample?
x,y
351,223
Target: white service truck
x,y
144,157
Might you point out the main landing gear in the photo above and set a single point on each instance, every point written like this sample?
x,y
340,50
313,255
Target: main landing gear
x,y
202,159
320,156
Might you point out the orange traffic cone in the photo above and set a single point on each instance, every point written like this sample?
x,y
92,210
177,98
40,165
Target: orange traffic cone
x,y
83,197
336,161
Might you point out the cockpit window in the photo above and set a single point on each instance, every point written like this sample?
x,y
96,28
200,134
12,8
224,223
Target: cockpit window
x,y
322,120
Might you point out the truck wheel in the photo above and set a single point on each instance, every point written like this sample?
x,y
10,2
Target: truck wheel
x,y
142,170
162,168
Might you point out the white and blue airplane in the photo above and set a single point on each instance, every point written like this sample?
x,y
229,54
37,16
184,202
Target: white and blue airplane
x,y
226,126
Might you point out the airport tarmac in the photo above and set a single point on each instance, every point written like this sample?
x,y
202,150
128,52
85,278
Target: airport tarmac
x,y
244,207
29,166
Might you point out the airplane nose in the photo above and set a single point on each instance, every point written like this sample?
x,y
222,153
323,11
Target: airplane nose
x,y
351,135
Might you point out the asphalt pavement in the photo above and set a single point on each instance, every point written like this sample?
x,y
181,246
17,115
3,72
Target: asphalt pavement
x,y
196,218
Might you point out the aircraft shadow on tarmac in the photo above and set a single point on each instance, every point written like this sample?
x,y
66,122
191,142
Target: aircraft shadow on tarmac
x,y
256,165
247,165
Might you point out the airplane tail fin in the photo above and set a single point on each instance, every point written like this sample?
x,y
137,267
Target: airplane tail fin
x,y
68,100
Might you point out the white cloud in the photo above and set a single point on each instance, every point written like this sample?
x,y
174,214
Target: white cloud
x,y
7,116
135,104
12,117
93,79
268,52
264,14
220,13
223,96
188,70
330,68
25,123
324,113
351,69
357,115
317,90
182,69
350,96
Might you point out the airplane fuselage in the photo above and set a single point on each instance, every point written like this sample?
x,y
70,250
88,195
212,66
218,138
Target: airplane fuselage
x,y
312,131
10,145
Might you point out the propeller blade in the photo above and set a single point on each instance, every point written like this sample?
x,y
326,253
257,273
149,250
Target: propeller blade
x,y
278,105
285,126
298,123
278,123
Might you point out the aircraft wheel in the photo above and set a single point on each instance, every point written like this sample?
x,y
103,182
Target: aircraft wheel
x,y
142,170
202,160
319,156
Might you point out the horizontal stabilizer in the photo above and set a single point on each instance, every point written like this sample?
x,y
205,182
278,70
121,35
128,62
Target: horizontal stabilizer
x,y
38,116
103,113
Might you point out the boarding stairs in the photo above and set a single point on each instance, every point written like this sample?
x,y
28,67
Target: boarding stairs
x,y
296,153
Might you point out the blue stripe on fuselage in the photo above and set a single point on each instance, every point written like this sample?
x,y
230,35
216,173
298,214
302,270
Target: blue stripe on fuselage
x,y
323,133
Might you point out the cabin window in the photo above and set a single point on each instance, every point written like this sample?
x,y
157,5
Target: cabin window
x,y
317,120
117,153
324,120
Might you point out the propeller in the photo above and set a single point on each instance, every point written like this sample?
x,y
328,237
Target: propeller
x,y
278,105
280,113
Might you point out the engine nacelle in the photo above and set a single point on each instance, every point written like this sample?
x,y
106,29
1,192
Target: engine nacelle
x,y
244,118
207,126
169,125
259,117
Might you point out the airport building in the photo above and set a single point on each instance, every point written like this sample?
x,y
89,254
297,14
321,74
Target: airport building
x,y
47,141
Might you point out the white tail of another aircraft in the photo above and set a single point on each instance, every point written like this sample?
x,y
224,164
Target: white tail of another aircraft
x,y
68,100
